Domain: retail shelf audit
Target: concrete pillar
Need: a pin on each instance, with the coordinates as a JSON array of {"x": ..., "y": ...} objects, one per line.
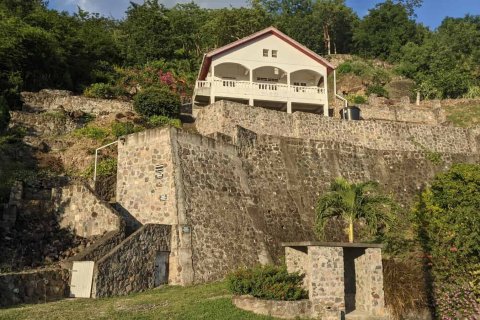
[
  {"x": 289, "y": 107},
  {"x": 250, "y": 101},
  {"x": 325, "y": 106},
  {"x": 212, "y": 87}
]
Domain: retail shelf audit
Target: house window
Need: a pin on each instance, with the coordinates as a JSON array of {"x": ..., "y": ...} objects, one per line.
[
  {"x": 265, "y": 52},
  {"x": 274, "y": 53}
]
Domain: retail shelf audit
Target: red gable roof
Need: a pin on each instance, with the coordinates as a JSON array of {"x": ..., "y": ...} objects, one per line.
[{"x": 207, "y": 59}]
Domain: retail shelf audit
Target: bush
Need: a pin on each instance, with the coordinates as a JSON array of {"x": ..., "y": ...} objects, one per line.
[
  {"x": 103, "y": 91},
  {"x": 448, "y": 226},
  {"x": 4, "y": 114},
  {"x": 378, "y": 90},
  {"x": 161, "y": 121},
  {"x": 91, "y": 132},
  {"x": 267, "y": 282},
  {"x": 157, "y": 101},
  {"x": 123, "y": 128},
  {"x": 357, "y": 99},
  {"x": 344, "y": 68},
  {"x": 105, "y": 167},
  {"x": 473, "y": 92}
]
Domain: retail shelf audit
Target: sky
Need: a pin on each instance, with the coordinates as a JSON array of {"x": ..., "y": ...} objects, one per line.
[{"x": 431, "y": 13}]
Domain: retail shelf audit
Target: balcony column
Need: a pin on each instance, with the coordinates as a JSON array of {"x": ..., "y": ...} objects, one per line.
[
  {"x": 250, "y": 100},
  {"x": 289, "y": 102},
  {"x": 325, "y": 106},
  {"x": 212, "y": 85}
]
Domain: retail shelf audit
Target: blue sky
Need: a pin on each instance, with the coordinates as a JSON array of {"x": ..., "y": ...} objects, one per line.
[{"x": 431, "y": 13}]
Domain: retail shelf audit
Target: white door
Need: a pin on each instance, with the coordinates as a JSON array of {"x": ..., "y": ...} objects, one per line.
[{"x": 82, "y": 276}]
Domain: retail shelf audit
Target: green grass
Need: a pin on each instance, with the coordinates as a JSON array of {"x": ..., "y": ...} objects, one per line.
[
  {"x": 209, "y": 302},
  {"x": 464, "y": 116}
]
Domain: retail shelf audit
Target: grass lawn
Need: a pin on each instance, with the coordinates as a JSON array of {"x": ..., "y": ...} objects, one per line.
[
  {"x": 464, "y": 116},
  {"x": 210, "y": 301}
]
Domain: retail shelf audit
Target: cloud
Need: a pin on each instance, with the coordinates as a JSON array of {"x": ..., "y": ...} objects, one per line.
[{"x": 117, "y": 8}]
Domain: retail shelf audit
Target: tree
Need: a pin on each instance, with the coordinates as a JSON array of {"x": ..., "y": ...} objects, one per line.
[
  {"x": 352, "y": 202},
  {"x": 4, "y": 114},
  {"x": 146, "y": 33},
  {"x": 384, "y": 31}
]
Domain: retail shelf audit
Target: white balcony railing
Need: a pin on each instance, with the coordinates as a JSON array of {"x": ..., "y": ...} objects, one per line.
[{"x": 249, "y": 89}]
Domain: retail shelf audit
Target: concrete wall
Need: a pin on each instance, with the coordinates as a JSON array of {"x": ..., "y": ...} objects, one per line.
[
  {"x": 130, "y": 266},
  {"x": 37, "y": 286},
  {"x": 53, "y": 99},
  {"x": 224, "y": 116},
  {"x": 79, "y": 208}
]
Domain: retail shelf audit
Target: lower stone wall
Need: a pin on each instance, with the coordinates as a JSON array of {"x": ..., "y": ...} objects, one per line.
[
  {"x": 130, "y": 266},
  {"x": 80, "y": 209},
  {"x": 38, "y": 286},
  {"x": 275, "y": 308}
]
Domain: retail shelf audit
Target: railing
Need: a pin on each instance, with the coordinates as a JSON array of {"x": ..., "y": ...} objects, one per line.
[{"x": 238, "y": 88}]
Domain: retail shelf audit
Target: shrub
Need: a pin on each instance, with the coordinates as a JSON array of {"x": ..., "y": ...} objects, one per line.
[
  {"x": 357, "y": 99},
  {"x": 161, "y": 121},
  {"x": 105, "y": 167},
  {"x": 378, "y": 90},
  {"x": 267, "y": 282},
  {"x": 4, "y": 114},
  {"x": 91, "y": 132},
  {"x": 344, "y": 68},
  {"x": 473, "y": 92},
  {"x": 103, "y": 91},
  {"x": 157, "y": 101},
  {"x": 123, "y": 128},
  {"x": 448, "y": 226}
]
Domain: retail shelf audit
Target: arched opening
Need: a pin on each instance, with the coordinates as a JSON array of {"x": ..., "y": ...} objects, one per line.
[
  {"x": 270, "y": 74},
  {"x": 306, "y": 78},
  {"x": 231, "y": 71}
]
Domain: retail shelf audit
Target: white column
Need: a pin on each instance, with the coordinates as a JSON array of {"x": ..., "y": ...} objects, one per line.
[
  {"x": 325, "y": 86},
  {"x": 212, "y": 85},
  {"x": 289, "y": 106},
  {"x": 250, "y": 101}
]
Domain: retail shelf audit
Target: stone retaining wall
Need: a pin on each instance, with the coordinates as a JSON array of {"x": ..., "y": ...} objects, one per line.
[
  {"x": 45, "y": 123},
  {"x": 275, "y": 308},
  {"x": 37, "y": 286},
  {"x": 130, "y": 266},
  {"x": 79, "y": 208},
  {"x": 411, "y": 114},
  {"x": 101, "y": 247},
  {"x": 224, "y": 116},
  {"x": 53, "y": 99}
]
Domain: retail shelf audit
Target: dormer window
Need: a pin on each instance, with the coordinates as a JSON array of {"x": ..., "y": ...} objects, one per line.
[
  {"x": 265, "y": 52},
  {"x": 274, "y": 53}
]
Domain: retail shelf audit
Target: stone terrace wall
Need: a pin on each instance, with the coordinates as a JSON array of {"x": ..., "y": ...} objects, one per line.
[
  {"x": 37, "y": 286},
  {"x": 53, "y": 99},
  {"x": 79, "y": 208},
  {"x": 130, "y": 266},
  {"x": 226, "y": 222},
  {"x": 46, "y": 123},
  {"x": 224, "y": 116},
  {"x": 401, "y": 113}
]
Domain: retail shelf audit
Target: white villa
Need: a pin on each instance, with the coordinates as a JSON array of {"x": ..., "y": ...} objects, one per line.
[{"x": 266, "y": 69}]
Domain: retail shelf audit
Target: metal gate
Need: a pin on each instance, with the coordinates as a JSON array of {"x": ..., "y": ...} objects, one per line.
[
  {"x": 161, "y": 268},
  {"x": 81, "y": 282}
]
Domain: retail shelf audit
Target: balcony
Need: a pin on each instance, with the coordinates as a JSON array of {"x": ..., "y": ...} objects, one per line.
[{"x": 261, "y": 91}]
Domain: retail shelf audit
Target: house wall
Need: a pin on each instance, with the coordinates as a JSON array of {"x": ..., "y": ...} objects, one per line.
[{"x": 251, "y": 55}]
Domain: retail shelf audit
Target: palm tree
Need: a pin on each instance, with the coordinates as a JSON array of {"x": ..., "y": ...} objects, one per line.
[{"x": 353, "y": 201}]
